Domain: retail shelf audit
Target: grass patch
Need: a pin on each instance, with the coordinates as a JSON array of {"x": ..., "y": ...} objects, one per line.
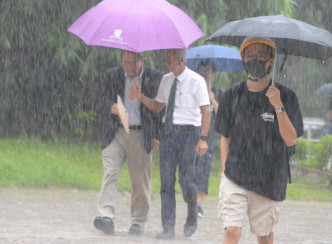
[
  {"x": 306, "y": 192},
  {"x": 33, "y": 163}
]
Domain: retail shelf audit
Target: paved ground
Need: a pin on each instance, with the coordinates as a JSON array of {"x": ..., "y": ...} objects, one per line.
[{"x": 66, "y": 216}]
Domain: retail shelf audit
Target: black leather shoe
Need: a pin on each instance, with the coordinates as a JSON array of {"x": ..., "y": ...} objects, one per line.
[
  {"x": 166, "y": 234},
  {"x": 190, "y": 227},
  {"x": 104, "y": 224},
  {"x": 136, "y": 229}
]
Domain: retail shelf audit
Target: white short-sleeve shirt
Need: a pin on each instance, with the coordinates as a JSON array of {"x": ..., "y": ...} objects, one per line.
[{"x": 191, "y": 93}]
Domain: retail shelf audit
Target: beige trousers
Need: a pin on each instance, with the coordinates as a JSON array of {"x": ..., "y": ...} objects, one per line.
[
  {"x": 128, "y": 147},
  {"x": 236, "y": 203}
]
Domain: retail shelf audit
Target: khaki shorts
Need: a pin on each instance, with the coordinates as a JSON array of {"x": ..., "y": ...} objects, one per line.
[{"x": 235, "y": 203}]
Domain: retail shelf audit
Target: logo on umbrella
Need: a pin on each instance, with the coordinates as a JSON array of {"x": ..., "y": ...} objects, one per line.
[{"x": 116, "y": 37}]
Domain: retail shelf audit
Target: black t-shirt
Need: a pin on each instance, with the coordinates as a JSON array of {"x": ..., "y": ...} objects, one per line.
[{"x": 258, "y": 158}]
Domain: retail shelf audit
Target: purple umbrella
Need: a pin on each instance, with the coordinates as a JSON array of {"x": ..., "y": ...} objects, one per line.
[{"x": 136, "y": 25}]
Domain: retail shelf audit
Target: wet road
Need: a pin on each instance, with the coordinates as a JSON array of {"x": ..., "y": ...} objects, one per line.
[{"x": 66, "y": 216}]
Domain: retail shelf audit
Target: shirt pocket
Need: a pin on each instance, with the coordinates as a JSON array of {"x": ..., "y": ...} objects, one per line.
[{"x": 185, "y": 100}]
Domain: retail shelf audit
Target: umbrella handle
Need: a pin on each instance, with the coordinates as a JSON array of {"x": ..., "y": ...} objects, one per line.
[
  {"x": 274, "y": 67},
  {"x": 283, "y": 61}
]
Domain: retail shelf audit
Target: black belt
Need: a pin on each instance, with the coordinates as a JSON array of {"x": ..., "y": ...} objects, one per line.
[
  {"x": 133, "y": 127},
  {"x": 183, "y": 127}
]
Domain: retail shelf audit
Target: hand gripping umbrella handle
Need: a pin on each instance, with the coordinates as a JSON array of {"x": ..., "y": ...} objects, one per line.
[{"x": 131, "y": 95}]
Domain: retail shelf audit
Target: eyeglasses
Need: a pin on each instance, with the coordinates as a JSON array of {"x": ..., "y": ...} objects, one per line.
[{"x": 260, "y": 56}]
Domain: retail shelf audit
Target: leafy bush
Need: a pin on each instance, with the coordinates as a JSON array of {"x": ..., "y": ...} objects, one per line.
[
  {"x": 311, "y": 162},
  {"x": 314, "y": 155},
  {"x": 303, "y": 148},
  {"x": 323, "y": 151}
]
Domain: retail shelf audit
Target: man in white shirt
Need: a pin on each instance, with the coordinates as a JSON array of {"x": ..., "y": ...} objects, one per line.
[{"x": 187, "y": 135}]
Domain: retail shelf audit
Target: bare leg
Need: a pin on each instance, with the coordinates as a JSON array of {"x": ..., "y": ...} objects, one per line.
[
  {"x": 232, "y": 235},
  {"x": 200, "y": 197},
  {"x": 265, "y": 239}
]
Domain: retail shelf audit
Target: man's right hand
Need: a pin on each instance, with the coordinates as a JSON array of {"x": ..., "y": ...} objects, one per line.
[
  {"x": 137, "y": 91},
  {"x": 115, "y": 109}
]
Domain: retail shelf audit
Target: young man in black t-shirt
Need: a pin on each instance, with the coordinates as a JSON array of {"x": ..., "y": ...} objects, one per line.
[{"x": 258, "y": 121}]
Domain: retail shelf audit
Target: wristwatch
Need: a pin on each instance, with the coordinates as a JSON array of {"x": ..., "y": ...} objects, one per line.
[
  {"x": 281, "y": 109},
  {"x": 204, "y": 138}
]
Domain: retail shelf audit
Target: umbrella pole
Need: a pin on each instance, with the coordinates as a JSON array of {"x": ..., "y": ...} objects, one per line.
[{"x": 274, "y": 67}]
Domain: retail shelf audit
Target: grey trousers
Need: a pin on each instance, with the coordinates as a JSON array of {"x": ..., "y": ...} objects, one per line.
[{"x": 128, "y": 147}]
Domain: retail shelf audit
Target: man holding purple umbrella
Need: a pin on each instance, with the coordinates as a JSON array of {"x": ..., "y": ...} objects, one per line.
[
  {"x": 136, "y": 147},
  {"x": 258, "y": 121},
  {"x": 186, "y": 123}
]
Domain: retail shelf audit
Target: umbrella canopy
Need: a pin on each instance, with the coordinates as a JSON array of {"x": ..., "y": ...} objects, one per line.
[
  {"x": 226, "y": 58},
  {"x": 325, "y": 90},
  {"x": 136, "y": 25},
  {"x": 291, "y": 36}
]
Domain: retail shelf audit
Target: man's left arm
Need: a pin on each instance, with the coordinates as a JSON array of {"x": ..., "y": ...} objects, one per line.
[
  {"x": 202, "y": 145},
  {"x": 202, "y": 99},
  {"x": 286, "y": 128},
  {"x": 215, "y": 99}
]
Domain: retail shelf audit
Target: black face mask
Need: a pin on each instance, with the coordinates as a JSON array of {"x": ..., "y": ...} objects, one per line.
[{"x": 257, "y": 68}]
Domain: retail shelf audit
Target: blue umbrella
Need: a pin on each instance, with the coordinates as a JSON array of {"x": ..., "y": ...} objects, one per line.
[
  {"x": 325, "y": 90},
  {"x": 226, "y": 58}
]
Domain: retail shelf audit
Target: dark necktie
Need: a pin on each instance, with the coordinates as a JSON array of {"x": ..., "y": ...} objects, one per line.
[{"x": 170, "y": 109}]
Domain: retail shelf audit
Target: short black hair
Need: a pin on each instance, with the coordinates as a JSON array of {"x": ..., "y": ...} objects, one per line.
[{"x": 208, "y": 62}]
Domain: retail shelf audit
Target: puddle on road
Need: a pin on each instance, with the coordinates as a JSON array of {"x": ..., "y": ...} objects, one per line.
[{"x": 66, "y": 216}]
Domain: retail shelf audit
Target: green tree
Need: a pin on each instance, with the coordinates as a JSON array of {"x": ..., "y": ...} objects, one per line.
[{"x": 50, "y": 78}]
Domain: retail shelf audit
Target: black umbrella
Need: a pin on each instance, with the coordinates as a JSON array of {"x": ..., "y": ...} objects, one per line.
[
  {"x": 291, "y": 36},
  {"x": 325, "y": 90}
]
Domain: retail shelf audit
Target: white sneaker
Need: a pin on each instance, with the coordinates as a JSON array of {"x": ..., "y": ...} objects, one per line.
[{"x": 200, "y": 211}]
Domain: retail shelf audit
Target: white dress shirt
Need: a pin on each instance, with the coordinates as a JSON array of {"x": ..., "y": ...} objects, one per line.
[{"x": 191, "y": 93}]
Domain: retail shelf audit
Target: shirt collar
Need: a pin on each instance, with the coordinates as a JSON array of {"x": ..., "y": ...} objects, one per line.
[{"x": 183, "y": 75}]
